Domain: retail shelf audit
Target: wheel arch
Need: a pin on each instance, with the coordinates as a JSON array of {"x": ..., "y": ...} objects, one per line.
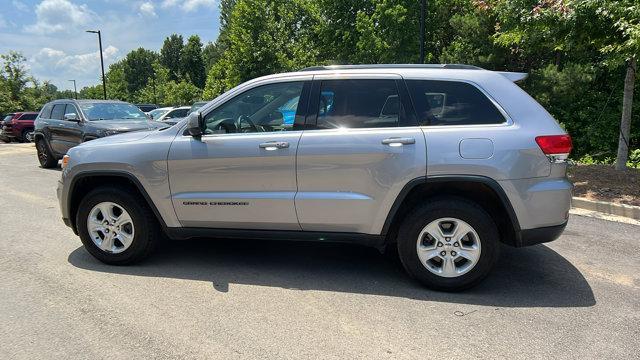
[
  {"x": 485, "y": 191},
  {"x": 83, "y": 182}
]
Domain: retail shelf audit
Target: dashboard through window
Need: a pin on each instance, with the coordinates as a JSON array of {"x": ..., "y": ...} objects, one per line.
[{"x": 266, "y": 108}]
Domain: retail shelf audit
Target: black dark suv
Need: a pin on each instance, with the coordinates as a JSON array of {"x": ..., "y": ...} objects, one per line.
[{"x": 63, "y": 124}]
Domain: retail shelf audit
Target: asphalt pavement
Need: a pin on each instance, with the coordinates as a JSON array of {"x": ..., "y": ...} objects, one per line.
[{"x": 577, "y": 297}]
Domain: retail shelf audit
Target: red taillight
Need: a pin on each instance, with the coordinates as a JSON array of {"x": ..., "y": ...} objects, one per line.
[{"x": 555, "y": 144}]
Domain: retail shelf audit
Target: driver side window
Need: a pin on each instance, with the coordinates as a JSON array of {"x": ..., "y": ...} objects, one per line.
[{"x": 265, "y": 108}]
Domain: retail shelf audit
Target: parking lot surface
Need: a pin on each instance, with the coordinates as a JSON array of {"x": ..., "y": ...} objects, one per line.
[{"x": 578, "y": 297}]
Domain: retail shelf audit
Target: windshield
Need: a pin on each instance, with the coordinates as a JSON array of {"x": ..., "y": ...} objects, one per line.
[
  {"x": 112, "y": 111},
  {"x": 8, "y": 117},
  {"x": 157, "y": 113}
]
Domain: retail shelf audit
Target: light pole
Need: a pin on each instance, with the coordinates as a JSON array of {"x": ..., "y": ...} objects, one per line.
[
  {"x": 75, "y": 90},
  {"x": 104, "y": 81},
  {"x": 423, "y": 10}
]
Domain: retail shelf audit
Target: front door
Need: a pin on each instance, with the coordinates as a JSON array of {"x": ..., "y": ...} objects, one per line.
[
  {"x": 242, "y": 173},
  {"x": 360, "y": 149},
  {"x": 70, "y": 131},
  {"x": 56, "y": 125}
]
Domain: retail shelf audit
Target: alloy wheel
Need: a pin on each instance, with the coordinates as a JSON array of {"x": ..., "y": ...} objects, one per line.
[
  {"x": 110, "y": 227},
  {"x": 42, "y": 151},
  {"x": 448, "y": 247}
]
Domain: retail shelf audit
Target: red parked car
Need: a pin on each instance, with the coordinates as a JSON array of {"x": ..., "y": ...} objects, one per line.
[{"x": 18, "y": 126}]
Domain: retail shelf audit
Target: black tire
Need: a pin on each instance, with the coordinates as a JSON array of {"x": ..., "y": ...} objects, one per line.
[
  {"x": 24, "y": 137},
  {"x": 448, "y": 207},
  {"x": 147, "y": 232},
  {"x": 46, "y": 158}
]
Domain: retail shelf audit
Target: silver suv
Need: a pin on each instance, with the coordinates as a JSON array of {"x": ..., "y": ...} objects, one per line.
[{"x": 444, "y": 162}]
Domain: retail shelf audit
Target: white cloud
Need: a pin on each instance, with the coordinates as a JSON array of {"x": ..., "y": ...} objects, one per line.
[
  {"x": 189, "y": 5},
  {"x": 79, "y": 64},
  {"x": 20, "y": 5},
  {"x": 60, "y": 16},
  {"x": 148, "y": 9},
  {"x": 3, "y": 23}
]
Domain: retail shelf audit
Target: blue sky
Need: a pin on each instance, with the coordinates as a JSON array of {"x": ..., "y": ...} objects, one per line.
[{"x": 51, "y": 33}]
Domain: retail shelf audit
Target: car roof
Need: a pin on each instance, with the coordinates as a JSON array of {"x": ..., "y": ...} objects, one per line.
[
  {"x": 408, "y": 71},
  {"x": 85, "y": 101},
  {"x": 181, "y": 107}
]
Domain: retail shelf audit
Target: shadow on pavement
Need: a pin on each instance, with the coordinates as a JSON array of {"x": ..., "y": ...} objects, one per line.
[{"x": 530, "y": 277}]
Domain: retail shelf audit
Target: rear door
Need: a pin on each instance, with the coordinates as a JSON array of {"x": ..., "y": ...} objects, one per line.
[{"x": 360, "y": 147}]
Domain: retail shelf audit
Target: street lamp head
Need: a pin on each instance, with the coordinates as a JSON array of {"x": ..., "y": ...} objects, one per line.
[{"x": 93, "y": 31}]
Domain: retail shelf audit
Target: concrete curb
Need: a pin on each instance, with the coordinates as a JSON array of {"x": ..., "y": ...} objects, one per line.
[{"x": 629, "y": 211}]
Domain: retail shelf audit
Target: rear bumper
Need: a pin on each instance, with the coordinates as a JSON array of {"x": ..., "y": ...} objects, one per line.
[{"x": 540, "y": 235}]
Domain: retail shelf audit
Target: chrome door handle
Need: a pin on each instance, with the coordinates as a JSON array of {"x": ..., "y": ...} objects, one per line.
[
  {"x": 274, "y": 145},
  {"x": 398, "y": 141}
]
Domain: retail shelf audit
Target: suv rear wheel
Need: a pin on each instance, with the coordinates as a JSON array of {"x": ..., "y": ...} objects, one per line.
[
  {"x": 46, "y": 158},
  {"x": 116, "y": 226},
  {"x": 448, "y": 244}
]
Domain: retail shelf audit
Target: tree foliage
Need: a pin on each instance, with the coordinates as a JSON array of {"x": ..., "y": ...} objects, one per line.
[
  {"x": 171, "y": 55},
  {"x": 192, "y": 62}
]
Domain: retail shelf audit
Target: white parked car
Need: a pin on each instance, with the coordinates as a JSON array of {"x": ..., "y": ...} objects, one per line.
[
  {"x": 157, "y": 113},
  {"x": 175, "y": 113}
]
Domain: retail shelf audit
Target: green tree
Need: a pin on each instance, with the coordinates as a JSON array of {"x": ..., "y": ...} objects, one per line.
[
  {"x": 614, "y": 28},
  {"x": 171, "y": 55},
  {"x": 279, "y": 37},
  {"x": 385, "y": 35},
  {"x": 193, "y": 63},
  {"x": 91, "y": 92},
  {"x": 213, "y": 51},
  {"x": 181, "y": 93},
  {"x": 116, "y": 82},
  {"x": 13, "y": 80},
  {"x": 138, "y": 69}
]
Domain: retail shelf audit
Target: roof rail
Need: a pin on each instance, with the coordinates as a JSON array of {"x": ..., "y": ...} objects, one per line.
[{"x": 393, "y": 66}]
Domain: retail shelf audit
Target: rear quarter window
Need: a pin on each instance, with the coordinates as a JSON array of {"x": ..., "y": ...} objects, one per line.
[{"x": 452, "y": 103}]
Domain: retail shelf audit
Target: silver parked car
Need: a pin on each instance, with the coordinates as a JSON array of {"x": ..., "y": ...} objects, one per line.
[{"x": 442, "y": 162}]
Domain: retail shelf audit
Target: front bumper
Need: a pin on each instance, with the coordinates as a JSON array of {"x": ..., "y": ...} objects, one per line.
[
  {"x": 6, "y": 135},
  {"x": 62, "y": 202}
]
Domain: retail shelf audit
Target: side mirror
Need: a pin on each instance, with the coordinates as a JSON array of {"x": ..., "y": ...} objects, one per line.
[
  {"x": 71, "y": 117},
  {"x": 195, "y": 124}
]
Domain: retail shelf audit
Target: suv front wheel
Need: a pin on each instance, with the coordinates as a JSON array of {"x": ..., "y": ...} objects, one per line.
[
  {"x": 448, "y": 244},
  {"x": 116, "y": 226}
]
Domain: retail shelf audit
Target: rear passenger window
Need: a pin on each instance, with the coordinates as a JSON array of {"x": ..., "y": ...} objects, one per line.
[
  {"x": 358, "y": 104},
  {"x": 452, "y": 103},
  {"x": 28, "y": 117},
  {"x": 58, "y": 112},
  {"x": 46, "y": 112}
]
